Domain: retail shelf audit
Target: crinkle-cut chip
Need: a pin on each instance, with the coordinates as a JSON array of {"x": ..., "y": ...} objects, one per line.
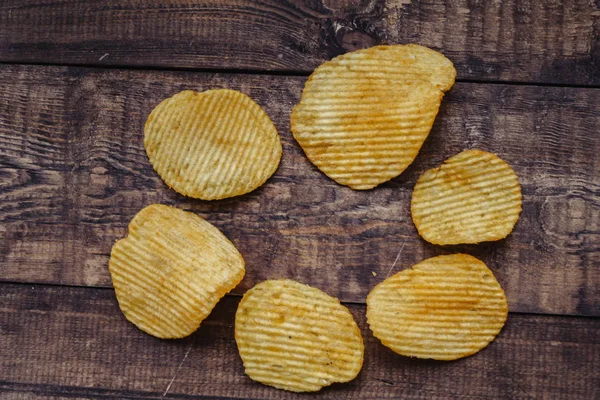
[
  {"x": 295, "y": 337},
  {"x": 171, "y": 270},
  {"x": 212, "y": 145},
  {"x": 445, "y": 308},
  {"x": 364, "y": 116},
  {"x": 472, "y": 197}
]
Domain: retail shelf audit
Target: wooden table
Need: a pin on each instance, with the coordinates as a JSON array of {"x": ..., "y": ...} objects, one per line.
[{"x": 79, "y": 77}]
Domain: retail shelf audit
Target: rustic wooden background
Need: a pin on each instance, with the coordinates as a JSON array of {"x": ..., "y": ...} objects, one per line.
[{"x": 79, "y": 77}]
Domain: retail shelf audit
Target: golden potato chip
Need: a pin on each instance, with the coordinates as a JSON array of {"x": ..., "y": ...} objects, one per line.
[
  {"x": 171, "y": 270},
  {"x": 212, "y": 145},
  {"x": 363, "y": 116},
  {"x": 295, "y": 337},
  {"x": 472, "y": 197},
  {"x": 446, "y": 307}
]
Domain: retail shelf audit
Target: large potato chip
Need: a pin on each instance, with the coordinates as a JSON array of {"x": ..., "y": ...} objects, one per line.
[
  {"x": 212, "y": 145},
  {"x": 446, "y": 307},
  {"x": 171, "y": 270},
  {"x": 363, "y": 116},
  {"x": 295, "y": 337},
  {"x": 472, "y": 197}
]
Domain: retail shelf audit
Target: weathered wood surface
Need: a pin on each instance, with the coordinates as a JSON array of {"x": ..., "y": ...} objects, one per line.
[
  {"x": 41, "y": 392},
  {"x": 516, "y": 40},
  {"x": 74, "y": 172},
  {"x": 76, "y": 341}
]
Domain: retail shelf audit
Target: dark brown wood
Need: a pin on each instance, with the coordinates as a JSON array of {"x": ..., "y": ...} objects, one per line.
[
  {"x": 41, "y": 392},
  {"x": 76, "y": 341},
  {"x": 74, "y": 172},
  {"x": 515, "y": 40}
]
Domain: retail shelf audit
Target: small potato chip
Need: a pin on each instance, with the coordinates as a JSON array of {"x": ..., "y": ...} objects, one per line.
[
  {"x": 295, "y": 337},
  {"x": 445, "y": 308},
  {"x": 171, "y": 270},
  {"x": 364, "y": 116},
  {"x": 472, "y": 197},
  {"x": 212, "y": 145}
]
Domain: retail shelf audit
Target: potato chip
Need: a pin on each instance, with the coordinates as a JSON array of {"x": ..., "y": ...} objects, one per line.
[
  {"x": 445, "y": 308},
  {"x": 295, "y": 337},
  {"x": 363, "y": 116},
  {"x": 212, "y": 145},
  {"x": 472, "y": 197},
  {"x": 171, "y": 270}
]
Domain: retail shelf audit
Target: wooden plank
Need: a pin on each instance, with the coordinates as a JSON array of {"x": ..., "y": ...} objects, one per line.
[
  {"x": 516, "y": 40},
  {"x": 74, "y": 173},
  {"x": 77, "y": 339}
]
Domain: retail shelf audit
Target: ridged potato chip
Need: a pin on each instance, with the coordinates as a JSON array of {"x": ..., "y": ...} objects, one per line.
[
  {"x": 364, "y": 116},
  {"x": 472, "y": 197},
  {"x": 171, "y": 270},
  {"x": 445, "y": 308},
  {"x": 295, "y": 337},
  {"x": 212, "y": 145}
]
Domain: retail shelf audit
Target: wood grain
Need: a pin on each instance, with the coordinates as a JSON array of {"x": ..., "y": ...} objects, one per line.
[
  {"x": 74, "y": 172},
  {"x": 516, "y": 40},
  {"x": 76, "y": 341}
]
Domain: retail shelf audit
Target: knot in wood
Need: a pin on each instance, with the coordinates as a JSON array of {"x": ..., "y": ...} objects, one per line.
[{"x": 356, "y": 40}]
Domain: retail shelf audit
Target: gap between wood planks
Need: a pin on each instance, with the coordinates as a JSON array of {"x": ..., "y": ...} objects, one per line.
[
  {"x": 239, "y": 296},
  {"x": 273, "y": 73},
  {"x": 54, "y": 391}
]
